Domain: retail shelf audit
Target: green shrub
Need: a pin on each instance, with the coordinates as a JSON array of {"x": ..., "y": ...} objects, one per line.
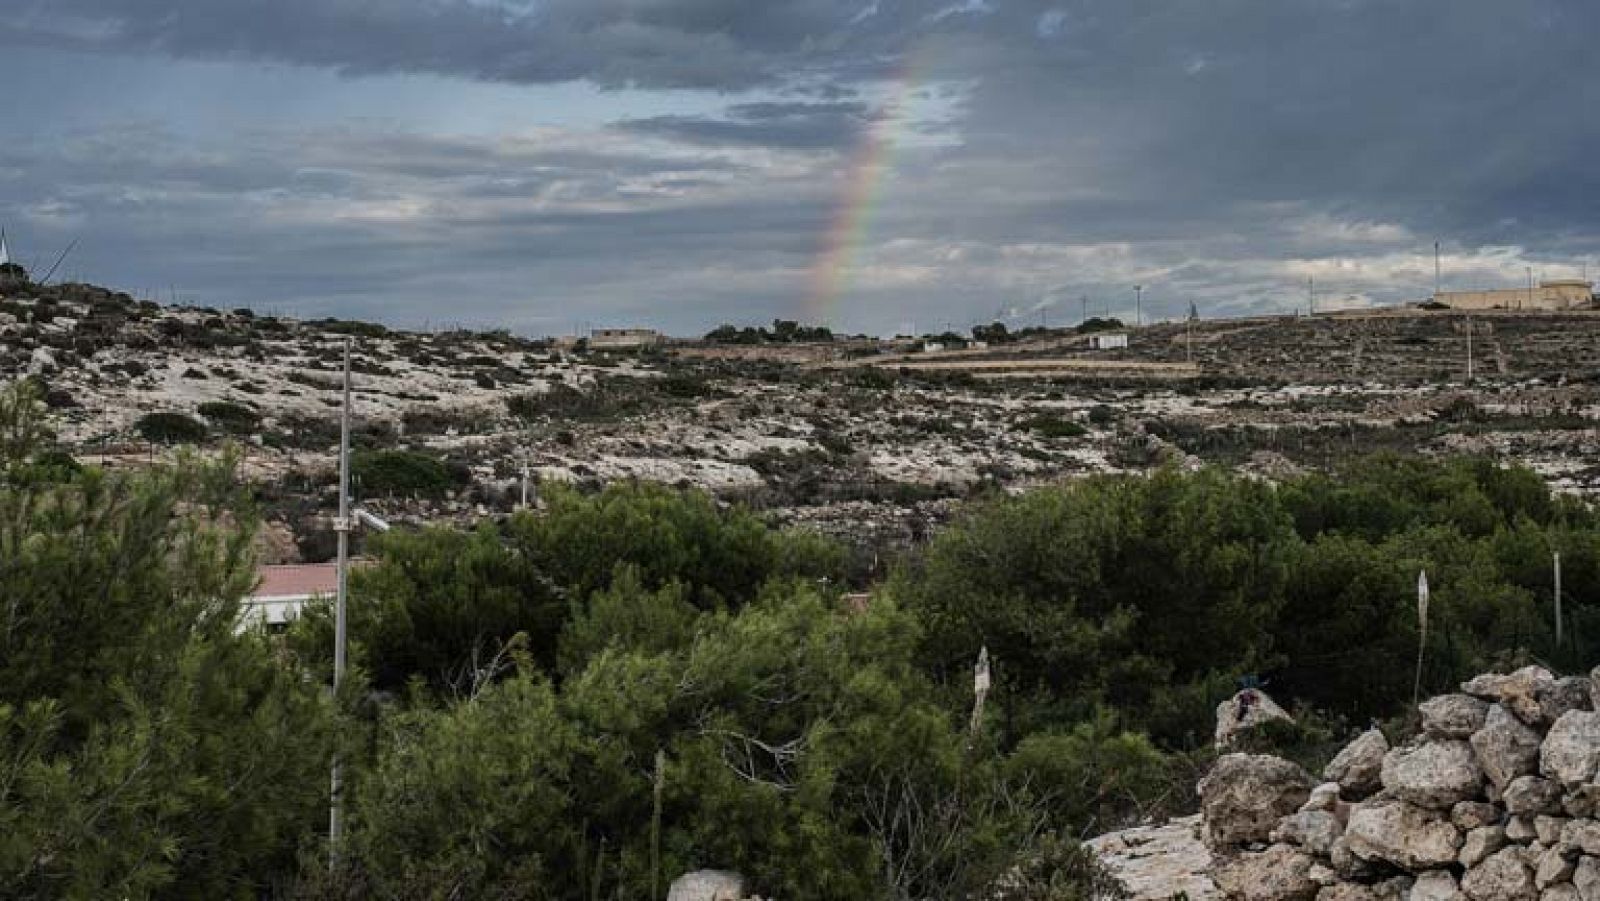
[
  {"x": 399, "y": 472},
  {"x": 170, "y": 428},
  {"x": 236, "y": 419},
  {"x": 1051, "y": 426}
]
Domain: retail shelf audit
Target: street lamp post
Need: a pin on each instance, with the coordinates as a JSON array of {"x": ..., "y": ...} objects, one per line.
[{"x": 1138, "y": 305}]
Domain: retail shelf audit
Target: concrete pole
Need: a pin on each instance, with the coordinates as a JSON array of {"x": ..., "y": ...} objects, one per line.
[{"x": 342, "y": 527}]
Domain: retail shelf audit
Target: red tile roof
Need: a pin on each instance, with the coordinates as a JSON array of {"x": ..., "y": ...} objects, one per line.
[{"x": 297, "y": 581}]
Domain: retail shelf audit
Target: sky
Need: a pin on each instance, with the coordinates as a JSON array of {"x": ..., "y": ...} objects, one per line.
[{"x": 877, "y": 166}]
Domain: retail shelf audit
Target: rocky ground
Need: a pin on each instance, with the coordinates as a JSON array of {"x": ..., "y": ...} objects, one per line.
[{"x": 859, "y": 439}]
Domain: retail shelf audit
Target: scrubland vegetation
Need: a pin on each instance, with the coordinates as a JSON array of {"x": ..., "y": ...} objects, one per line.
[{"x": 587, "y": 701}]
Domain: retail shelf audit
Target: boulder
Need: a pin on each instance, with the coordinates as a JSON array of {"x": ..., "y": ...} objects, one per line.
[
  {"x": 1586, "y": 878},
  {"x": 1323, "y": 797},
  {"x": 1582, "y": 835},
  {"x": 1436, "y": 885},
  {"x": 1473, "y": 814},
  {"x": 1403, "y": 834},
  {"x": 1245, "y": 711},
  {"x": 1594, "y": 688},
  {"x": 1582, "y": 801},
  {"x": 1518, "y": 692},
  {"x": 1505, "y": 746},
  {"x": 1346, "y": 863},
  {"x": 1279, "y": 873},
  {"x": 1503, "y": 877},
  {"x": 1453, "y": 716},
  {"x": 1438, "y": 774},
  {"x": 1563, "y": 892},
  {"x": 1531, "y": 795},
  {"x": 1552, "y": 867},
  {"x": 1480, "y": 843},
  {"x": 1549, "y": 828},
  {"x": 1349, "y": 891},
  {"x": 1520, "y": 830},
  {"x": 1571, "y": 752},
  {"x": 1245, "y": 795},
  {"x": 1571, "y": 693},
  {"x": 707, "y": 885},
  {"x": 1358, "y": 767},
  {"x": 1313, "y": 830}
]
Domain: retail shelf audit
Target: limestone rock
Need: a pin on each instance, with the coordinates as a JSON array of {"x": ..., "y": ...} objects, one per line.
[
  {"x": 1586, "y": 878},
  {"x": 1582, "y": 801},
  {"x": 1518, "y": 692},
  {"x": 1245, "y": 795},
  {"x": 1531, "y": 795},
  {"x": 1438, "y": 774},
  {"x": 1594, "y": 688},
  {"x": 1480, "y": 843},
  {"x": 1313, "y": 830},
  {"x": 1553, "y": 867},
  {"x": 1549, "y": 828},
  {"x": 1159, "y": 862},
  {"x": 707, "y": 885},
  {"x": 1346, "y": 863},
  {"x": 1323, "y": 797},
  {"x": 1349, "y": 891},
  {"x": 1402, "y": 834},
  {"x": 1571, "y": 693},
  {"x": 1453, "y": 716},
  {"x": 1583, "y": 835},
  {"x": 1358, "y": 767},
  {"x": 1503, "y": 877},
  {"x": 1473, "y": 814},
  {"x": 1279, "y": 873},
  {"x": 1245, "y": 711},
  {"x": 1505, "y": 746},
  {"x": 1520, "y": 830},
  {"x": 1436, "y": 885},
  {"x": 1571, "y": 751},
  {"x": 1563, "y": 892}
]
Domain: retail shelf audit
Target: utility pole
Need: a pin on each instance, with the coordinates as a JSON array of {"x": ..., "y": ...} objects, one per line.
[
  {"x": 342, "y": 527},
  {"x": 1530, "y": 287},
  {"x": 1436, "y": 271},
  {"x": 1311, "y": 294},
  {"x": 1469, "y": 350},
  {"x": 1138, "y": 305},
  {"x": 1085, "y": 310}
]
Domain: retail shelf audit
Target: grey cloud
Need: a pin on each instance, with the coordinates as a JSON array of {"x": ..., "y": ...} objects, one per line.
[{"x": 766, "y": 124}]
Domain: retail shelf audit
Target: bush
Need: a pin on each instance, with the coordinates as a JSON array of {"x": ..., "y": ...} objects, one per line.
[
  {"x": 170, "y": 428},
  {"x": 236, "y": 419},
  {"x": 399, "y": 472},
  {"x": 1050, "y": 426}
]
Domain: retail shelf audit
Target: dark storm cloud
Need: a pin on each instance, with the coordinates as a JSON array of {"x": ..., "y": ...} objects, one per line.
[
  {"x": 1220, "y": 152},
  {"x": 720, "y": 44}
]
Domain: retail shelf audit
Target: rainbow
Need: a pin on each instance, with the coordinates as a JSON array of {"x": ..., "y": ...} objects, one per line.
[{"x": 863, "y": 188}]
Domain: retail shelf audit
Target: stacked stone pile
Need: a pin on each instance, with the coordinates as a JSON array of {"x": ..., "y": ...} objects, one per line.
[{"x": 1496, "y": 800}]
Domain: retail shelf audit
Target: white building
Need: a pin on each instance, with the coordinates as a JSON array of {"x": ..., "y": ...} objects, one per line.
[
  {"x": 1116, "y": 341},
  {"x": 283, "y": 591},
  {"x": 623, "y": 338}
]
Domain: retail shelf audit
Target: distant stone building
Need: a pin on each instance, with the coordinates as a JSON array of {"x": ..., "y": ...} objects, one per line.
[
  {"x": 1559, "y": 294},
  {"x": 623, "y": 338},
  {"x": 1116, "y": 341}
]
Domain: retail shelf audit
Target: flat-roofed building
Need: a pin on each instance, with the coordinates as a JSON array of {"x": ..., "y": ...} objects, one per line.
[
  {"x": 1558, "y": 294},
  {"x": 623, "y": 338}
]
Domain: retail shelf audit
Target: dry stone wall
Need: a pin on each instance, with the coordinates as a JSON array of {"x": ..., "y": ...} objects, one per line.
[{"x": 1496, "y": 800}]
